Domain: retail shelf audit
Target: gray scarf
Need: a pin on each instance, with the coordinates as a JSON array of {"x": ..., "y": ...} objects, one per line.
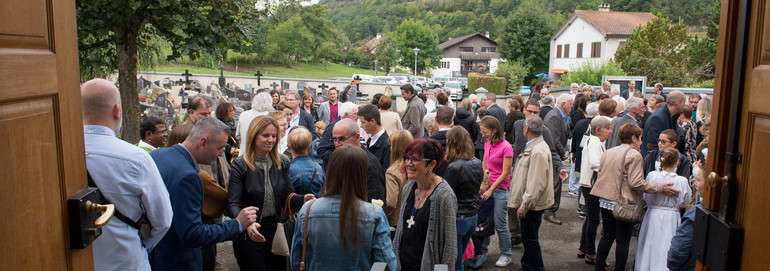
[{"x": 268, "y": 208}]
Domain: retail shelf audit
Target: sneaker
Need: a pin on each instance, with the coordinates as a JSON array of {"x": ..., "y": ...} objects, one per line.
[
  {"x": 582, "y": 214},
  {"x": 515, "y": 242},
  {"x": 503, "y": 261},
  {"x": 574, "y": 194},
  {"x": 477, "y": 261}
]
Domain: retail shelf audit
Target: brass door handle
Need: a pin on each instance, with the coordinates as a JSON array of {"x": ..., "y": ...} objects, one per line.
[
  {"x": 715, "y": 179},
  {"x": 108, "y": 209}
]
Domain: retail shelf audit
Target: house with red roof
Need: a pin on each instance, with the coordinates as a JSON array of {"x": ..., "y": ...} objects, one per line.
[{"x": 591, "y": 36}]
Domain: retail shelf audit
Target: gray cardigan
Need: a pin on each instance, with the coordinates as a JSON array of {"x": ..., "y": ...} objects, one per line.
[{"x": 441, "y": 239}]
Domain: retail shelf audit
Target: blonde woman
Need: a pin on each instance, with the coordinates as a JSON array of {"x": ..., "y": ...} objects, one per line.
[{"x": 395, "y": 174}]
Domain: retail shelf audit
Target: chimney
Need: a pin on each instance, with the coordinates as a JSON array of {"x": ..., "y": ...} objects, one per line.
[
  {"x": 487, "y": 34},
  {"x": 379, "y": 35},
  {"x": 604, "y": 7}
]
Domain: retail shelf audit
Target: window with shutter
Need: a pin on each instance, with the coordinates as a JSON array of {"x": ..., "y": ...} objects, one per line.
[
  {"x": 596, "y": 49},
  {"x": 566, "y": 50},
  {"x": 558, "y": 51},
  {"x": 579, "y": 53}
]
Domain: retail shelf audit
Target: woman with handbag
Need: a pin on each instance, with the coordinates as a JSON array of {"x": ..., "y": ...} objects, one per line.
[
  {"x": 619, "y": 187},
  {"x": 341, "y": 230},
  {"x": 261, "y": 178},
  {"x": 593, "y": 148}
]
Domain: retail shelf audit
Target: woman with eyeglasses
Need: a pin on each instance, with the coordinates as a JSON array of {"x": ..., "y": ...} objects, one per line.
[
  {"x": 498, "y": 160},
  {"x": 426, "y": 234}
]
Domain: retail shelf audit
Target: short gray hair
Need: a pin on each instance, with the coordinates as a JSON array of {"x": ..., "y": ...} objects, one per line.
[
  {"x": 534, "y": 124},
  {"x": 659, "y": 99},
  {"x": 350, "y": 124},
  {"x": 429, "y": 120},
  {"x": 293, "y": 93},
  {"x": 346, "y": 108},
  {"x": 547, "y": 100},
  {"x": 209, "y": 127},
  {"x": 615, "y": 91},
  {"x": 592, "y": 109},
  {"x": 598, "y": 124},
  {"x": 262, "y": 102},
  {"x": 633, "y": 102},
  {"x": 490, "y": 96},
  {"x": 564, "y": 98}
]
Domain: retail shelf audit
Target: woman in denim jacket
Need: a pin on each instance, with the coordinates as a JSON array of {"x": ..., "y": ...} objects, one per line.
[{"x": 353, "y": 243}]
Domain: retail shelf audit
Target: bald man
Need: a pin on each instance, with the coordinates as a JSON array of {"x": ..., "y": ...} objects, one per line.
[
  {"x": 661, "y": 120},
  {"x": 127, "y": 177}
]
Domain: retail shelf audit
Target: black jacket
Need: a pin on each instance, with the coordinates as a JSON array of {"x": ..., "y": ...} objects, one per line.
[
  {"x": 440, "y": 136},
  {"x": 247, "y": 188},
  {"x": 544, "y": 110},
  {"x": 381, "y": 150},
  {"x": 497, "y": 112},
  {"x": 465, "y": 119},
  {"x": 375, "y": 178},
  {"x": 464, "y": 176},
  {"x": 577, "y": 135},
  {"x": 306, "y": 120},
  {"x": 510, "y": 119},
  {"x": 684, "y": 169}
]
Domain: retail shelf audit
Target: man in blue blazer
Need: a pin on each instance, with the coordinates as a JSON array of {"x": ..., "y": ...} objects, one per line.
[
  {"x": 180, "y": 248},
  {"x": 660, "y": 120}
]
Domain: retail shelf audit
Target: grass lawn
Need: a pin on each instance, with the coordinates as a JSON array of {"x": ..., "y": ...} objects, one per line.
[{"x": 301, "y": 70}]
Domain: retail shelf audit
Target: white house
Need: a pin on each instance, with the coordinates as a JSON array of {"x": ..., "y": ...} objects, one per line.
[
  {"x": 466, "y": 54},
  {"x": 591, "y": 36}
]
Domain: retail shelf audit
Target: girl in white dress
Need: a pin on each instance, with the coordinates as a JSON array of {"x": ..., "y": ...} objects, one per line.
[{"x": 662, "y": 217}]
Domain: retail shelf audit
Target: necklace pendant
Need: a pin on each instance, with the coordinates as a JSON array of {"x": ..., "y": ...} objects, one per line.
[{"x": 410, "y": 222}]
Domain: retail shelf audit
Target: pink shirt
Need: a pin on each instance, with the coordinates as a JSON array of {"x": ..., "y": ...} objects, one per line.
[
  {"x": 333, "y": 111},
  {"x": 493, "y": 155}
]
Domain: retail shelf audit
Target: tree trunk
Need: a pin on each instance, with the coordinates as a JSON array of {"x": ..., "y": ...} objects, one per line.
[
  {"x": 125, "y": 43},
  {"x": 326, "y": 63}
]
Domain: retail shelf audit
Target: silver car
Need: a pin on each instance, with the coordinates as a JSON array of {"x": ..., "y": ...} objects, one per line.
[{"x": 455, "y": 90}]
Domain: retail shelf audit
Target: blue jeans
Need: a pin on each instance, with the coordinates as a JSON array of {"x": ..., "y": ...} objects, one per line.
[
  {"x": 500, "y": 215},
  {"x": 466, "y": 226},
  {"x": 574, "y": 180},
  {"x": 532, "y": 259}
]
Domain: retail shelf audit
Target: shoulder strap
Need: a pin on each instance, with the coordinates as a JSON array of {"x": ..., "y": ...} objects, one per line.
[
  {"x": 118, "y": 214},
  {"x": 315, "y": 169},
  {"x": 624, "y": 175},
  {"x": 287, "y": 206},
  {"x": 304, "y": 236}
]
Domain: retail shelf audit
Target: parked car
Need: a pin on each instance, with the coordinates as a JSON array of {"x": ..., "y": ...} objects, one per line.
[
  {"x": 421, "y": 81},
  {"x": 441, "y": 80},
  {"x": 455, "y": 90},
  {"x": 409, "y": 78},
  {"x": 385, "y": 79},
  {"x": 364, "y": 77},
  {"x": 400, "y": 79},
  {"x": 464, "y": 83}
]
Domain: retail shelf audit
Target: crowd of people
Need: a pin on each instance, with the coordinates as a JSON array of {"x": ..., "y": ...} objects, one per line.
[{"x": 362, "y": 184}]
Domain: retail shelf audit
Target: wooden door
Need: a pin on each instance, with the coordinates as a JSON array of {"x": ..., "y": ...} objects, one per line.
[
  {"x": 42, "y": 155},
  {"x": 742, "y": 92}
]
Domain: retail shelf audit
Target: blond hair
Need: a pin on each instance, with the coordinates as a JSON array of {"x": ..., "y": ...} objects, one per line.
[
  {"x": 257, "y": 126},
  {"x": 299, "y": 140}
]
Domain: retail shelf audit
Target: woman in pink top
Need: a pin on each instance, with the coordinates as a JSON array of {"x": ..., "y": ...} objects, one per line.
[{"x": 498, "y": 159}]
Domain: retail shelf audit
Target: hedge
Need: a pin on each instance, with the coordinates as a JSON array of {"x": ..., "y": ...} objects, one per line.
[{"x": 491, "y": 83}]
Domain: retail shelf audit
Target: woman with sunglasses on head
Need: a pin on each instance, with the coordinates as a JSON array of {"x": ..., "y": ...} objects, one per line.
[
  {"x": 426, "y": 234},
  {"x": 498, "y": 161}
]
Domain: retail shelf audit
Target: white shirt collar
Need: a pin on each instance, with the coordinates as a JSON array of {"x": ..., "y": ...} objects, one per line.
[
  {"x": 146, "y": 145},
  {"x": 376, "y": 136}
]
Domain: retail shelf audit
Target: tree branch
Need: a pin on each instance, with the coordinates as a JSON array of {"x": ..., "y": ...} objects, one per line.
[{"x": 97, "y": 44}]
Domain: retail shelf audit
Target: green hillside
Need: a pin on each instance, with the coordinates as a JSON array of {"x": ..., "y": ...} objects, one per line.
[{"x": 301, "y": 70}]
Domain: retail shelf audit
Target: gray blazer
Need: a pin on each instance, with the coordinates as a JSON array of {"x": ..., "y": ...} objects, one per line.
[
  {"x": 324, "y": 113},
  {"x": 555, "y": 122},
  {"x": 412, "y": 118},
  {"x": 614, "y": 140}
]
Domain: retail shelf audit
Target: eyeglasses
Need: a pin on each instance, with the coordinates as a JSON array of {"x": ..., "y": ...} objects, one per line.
[
  {"x": 408, "y": 159},
  {"x": 160, "y": 132},
  {"x": 343, "y": 139}
]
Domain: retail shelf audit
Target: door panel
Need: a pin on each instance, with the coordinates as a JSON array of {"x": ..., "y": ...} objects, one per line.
[
  {"x": 41, "y": 128},
  {"x": 752, "y": 211}
]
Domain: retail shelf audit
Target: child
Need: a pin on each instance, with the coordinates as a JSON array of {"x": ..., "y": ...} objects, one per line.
[
  {"x": 680, "y": 254},
  {"x": 320, "y": 126},
  {"x": 662, "y": 218}
]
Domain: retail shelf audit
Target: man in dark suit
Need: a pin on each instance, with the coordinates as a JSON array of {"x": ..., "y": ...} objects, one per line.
[
  {"x": 557, "y": 122},
  {"x": 346, "y": 132},
  {"x": 532, "y": 108},
  {"x": 180, "y": 248},
  {"x": 299, "y": 117},
  {"x": 377, "y": 143},
  {"x": 547, "y": 106},
  {"x": 634, "y": 111},
  {"x": 493, "y": 109},
  {"x": 662, "y": 119},
  {"x": 630, "y": 91}
]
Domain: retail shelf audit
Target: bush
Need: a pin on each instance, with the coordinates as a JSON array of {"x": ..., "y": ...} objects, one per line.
[
  {"x": 491, "y": 83},
  {"x": 514, "y": 73},
  {"x": 703, "y": 84},
  {"x": 591, "y": 73}
]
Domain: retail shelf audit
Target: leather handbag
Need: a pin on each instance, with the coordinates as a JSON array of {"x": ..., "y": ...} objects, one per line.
[
  {"x": 284, "y": 231},
  {"x": 304, "y": 236},
  {"x": 624, "y": 211}
]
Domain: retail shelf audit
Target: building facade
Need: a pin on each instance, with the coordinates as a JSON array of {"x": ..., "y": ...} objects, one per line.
[{"x": 466, "y": 54}]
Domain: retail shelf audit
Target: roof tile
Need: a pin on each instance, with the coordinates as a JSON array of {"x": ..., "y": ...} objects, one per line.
[{"x": 614, "y": 22}]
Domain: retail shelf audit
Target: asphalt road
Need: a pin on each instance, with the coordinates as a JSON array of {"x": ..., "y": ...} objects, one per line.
[{"x": 559, "y": 244}]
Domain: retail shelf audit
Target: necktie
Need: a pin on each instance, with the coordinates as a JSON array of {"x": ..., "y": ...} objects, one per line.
[{"x": 368, "y": 141}]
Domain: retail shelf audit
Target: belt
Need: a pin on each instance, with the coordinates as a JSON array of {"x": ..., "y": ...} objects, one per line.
[{"x": 673, "y": 209}]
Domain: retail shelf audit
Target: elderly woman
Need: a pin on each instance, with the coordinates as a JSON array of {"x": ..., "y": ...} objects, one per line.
[
  {"x": 395, "y": 175},
  {"x": 260, "y": 106},
  {"x": 261, "y": 178},
  {"x": 498, "y": 160},
  {"x": 426, "y": 234},
  {"x": 593, "y": 148},
  {"x": 622, "y": 166},
  {"x": 344, "y": 231},
  {"x": 464, "y": 174}
]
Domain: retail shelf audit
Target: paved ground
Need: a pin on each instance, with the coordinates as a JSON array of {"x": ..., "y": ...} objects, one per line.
[{"x": 559, "y": 244}]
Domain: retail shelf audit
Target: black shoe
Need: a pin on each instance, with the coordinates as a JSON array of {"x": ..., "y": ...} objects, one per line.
[
  {"x": 552, "y": 219},
  {"x": 515, "y": 242}
]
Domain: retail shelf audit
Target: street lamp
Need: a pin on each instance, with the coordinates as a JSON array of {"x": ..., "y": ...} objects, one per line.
[{"x": 415, "y": 59}]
